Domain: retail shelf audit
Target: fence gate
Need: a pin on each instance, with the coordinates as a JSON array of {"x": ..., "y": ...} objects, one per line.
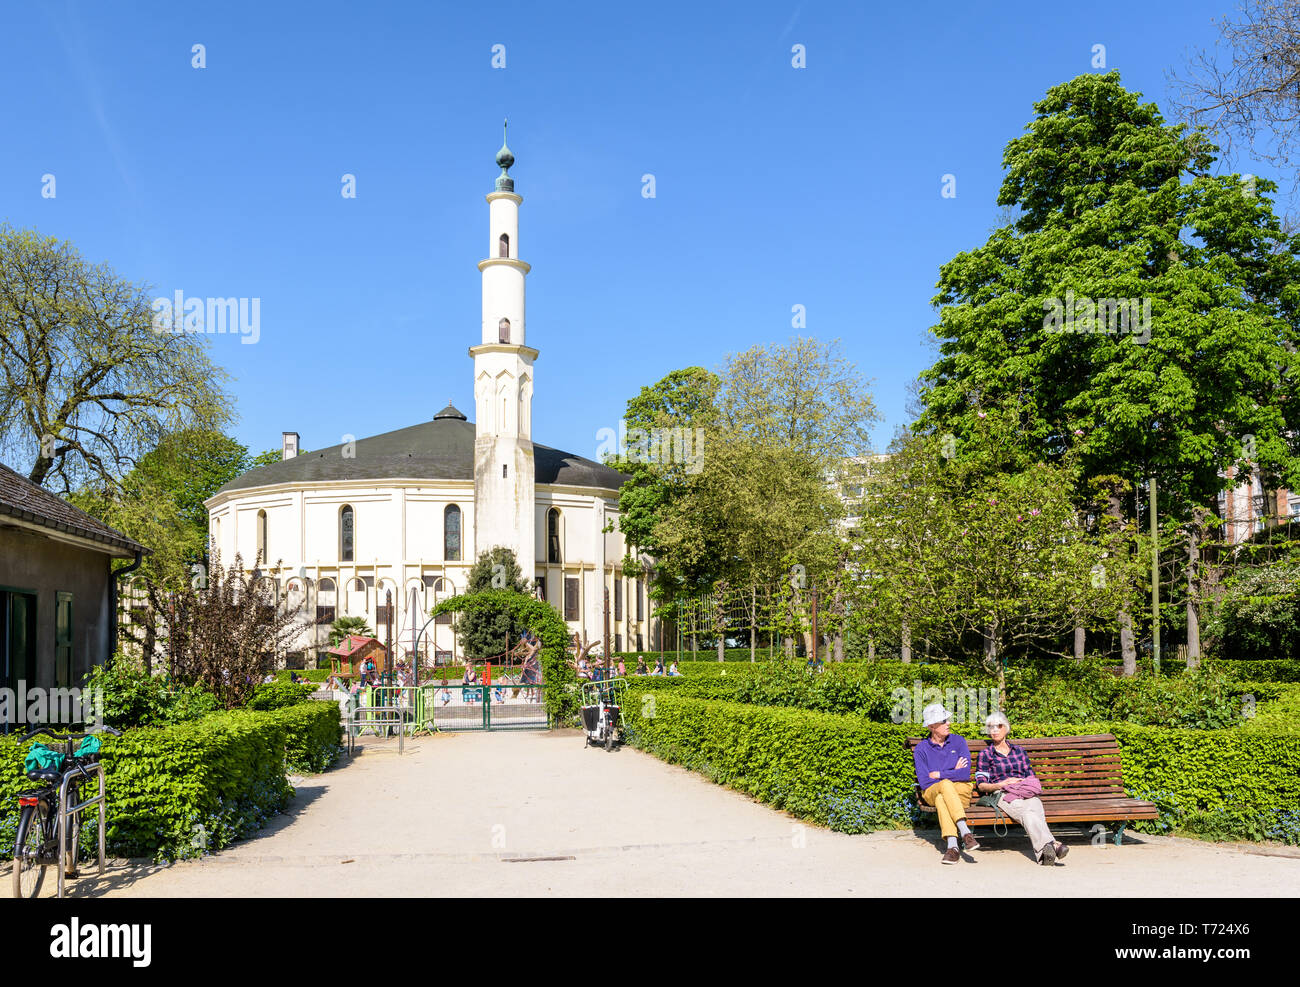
[{"x": 500, "y": 706}]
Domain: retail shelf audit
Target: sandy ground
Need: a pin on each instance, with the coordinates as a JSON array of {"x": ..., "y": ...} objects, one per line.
[{"x": 534, "y": 813}]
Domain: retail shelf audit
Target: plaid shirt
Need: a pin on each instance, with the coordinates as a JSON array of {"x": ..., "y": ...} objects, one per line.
[{"x": 994, "y": 767}]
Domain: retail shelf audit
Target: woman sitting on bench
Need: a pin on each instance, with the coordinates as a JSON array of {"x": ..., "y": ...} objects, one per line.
[
  {"x": 1005, "y": 768},
  {"x": 942, "y": 766}
]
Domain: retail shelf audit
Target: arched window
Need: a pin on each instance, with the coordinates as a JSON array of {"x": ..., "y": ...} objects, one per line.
[
  {"x": 347, "y": 534},
  {"x": 503, "y": 330},
  {"x": 261, "y": 537},
  {"x": 503, "y": 245},
  {"x": 451, "y": 533},
  {"x": 553, "y": 535}
]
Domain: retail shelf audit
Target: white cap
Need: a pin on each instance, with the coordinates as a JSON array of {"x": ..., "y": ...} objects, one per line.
[{"x": 934, "y": 714}]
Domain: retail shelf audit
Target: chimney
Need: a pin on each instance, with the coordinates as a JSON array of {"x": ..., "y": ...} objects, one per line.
[{"x": 290, "y": 448}]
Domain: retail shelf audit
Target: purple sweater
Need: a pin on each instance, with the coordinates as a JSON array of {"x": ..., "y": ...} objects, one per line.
[{"x": 929, "y": 756}]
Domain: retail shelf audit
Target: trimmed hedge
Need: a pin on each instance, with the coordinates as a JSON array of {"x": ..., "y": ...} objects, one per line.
[
  {"x": 180, "y": 790},
  {"x": 312, "y": 735},
  {"x": 855, "y": 776},
  {"x": 274, "y": 695}
]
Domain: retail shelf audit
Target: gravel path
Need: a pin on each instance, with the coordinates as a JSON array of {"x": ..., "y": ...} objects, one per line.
[{"x": 534, "y": 813}]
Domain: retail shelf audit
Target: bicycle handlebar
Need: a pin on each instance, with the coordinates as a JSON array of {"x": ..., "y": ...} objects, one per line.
[{"x": 35, "y": 731}]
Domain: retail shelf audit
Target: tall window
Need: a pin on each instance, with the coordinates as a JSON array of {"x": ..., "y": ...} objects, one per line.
[
  {"x": 553, "y": 535},
  {"x": 451, "y": 533},
  {"x": 503, "y": 245},
  {"x": 347, "y": 534},
  {"x": 618, "y": 601},
  {"x": 570, "y": 598},
  {"x": 503, "y": 330},
  {"x": 640, "y": 595},
  {"x": 261, "y": 537},
  {"x": 325, "y": 601}
]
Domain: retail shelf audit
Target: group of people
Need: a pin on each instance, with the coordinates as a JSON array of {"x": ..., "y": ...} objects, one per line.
[
  {"x": 1003, "y": 776},
  {"x": 658, "y": 669}
]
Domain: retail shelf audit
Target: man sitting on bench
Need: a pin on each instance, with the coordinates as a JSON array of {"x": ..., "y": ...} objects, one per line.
[{"x": 942, "y": 772}]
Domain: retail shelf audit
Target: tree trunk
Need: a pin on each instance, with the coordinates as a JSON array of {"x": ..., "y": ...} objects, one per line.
[
  {"x": 1080, "y": 638},
  {"x": 789, "y": 646},
  {"x": 722, "y": 646},
  {"x": 1127, "y": 647},
  {"x": 1193, "y": 597},
  {"x": 992, "y": 656},
  {"x": 871, "y": 648},
  {"x": 1126, "y": 644},
  {"x": 753, "y": 622},
  {"x": 837, "y": 654},
  {"x": 906, "y": 649}
]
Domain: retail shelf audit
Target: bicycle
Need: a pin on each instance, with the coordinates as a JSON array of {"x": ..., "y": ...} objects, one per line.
[{"x": 36, "y": 845}]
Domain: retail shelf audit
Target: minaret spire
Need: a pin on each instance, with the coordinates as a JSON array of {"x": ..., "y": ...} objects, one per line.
[{"x": 504, "y": 160}]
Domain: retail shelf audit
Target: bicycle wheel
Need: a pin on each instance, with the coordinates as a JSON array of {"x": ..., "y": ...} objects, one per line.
[{"x": 29, "y": 864}]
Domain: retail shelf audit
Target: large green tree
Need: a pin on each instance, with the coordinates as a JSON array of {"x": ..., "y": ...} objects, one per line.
[
  {"x": 88, "y": 384},
  {"x": 1115, "y": 205},
  {"x": 1190, "y": 380}
]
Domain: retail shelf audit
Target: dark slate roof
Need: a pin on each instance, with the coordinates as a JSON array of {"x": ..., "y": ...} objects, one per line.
[
  {"x": 442, "y": 449},
  {"x": 24, "y": 500}
]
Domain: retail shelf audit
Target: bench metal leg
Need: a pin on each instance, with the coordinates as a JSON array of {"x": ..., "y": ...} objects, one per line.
[{"x": 1119, "y": 834}]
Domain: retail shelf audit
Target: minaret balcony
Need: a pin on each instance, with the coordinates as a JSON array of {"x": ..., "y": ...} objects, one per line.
[{"x": 518, "y": 265}]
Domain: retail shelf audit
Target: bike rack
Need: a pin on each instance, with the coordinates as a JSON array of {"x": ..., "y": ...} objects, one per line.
[{"x": 64, "y": 812}]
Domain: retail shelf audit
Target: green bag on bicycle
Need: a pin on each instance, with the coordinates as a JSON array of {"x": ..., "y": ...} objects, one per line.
[
  {"x": 41, "y": 758},
  {"x": 90, "y": 745}
]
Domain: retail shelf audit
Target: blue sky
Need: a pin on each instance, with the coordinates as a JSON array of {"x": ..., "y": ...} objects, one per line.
[{"x": 775, "y": 186}]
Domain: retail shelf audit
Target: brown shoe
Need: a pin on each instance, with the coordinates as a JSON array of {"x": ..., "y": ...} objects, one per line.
[
  {"x": 952, "y": 855},
  {"x": 1061, "y": 851},
  {"x": 970, "y": 842}
]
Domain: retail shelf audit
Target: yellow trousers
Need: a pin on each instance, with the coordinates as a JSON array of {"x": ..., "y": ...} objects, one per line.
[{"x": 952, "y": 799}]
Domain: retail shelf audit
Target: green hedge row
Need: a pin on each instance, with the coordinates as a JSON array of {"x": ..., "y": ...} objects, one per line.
[
  {"x": 856, "y": 776},
  {"x": 179, "y": 790}
]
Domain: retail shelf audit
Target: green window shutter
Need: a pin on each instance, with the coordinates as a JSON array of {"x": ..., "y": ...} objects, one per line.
[{"x": 63, "y": 639}]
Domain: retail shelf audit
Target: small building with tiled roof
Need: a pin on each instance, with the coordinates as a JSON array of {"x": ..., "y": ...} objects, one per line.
[
  {"x": 58, "y": 591},
  {"x": 403, "y": 515}
]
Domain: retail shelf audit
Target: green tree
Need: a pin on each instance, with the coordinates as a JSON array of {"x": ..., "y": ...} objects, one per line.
[
  {"x": 344, "y": 626},
  {"x": 1189, "y": 381},
  {"x": 491, "y": 630},
  {"x": 87, "y": 383}
]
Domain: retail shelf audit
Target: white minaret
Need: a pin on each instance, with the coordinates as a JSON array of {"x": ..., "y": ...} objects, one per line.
[{"x": 503, "y": 388}]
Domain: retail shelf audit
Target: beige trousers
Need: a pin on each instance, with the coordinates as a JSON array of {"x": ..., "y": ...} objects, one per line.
[{"x": 1029, "y": 813}]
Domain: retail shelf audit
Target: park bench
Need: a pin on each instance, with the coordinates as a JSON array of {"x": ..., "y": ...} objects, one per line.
[{"x": 1081, "y": 778}]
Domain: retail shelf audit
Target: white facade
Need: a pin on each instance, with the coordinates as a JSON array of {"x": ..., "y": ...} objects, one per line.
[{"x": 335, "y": 545}]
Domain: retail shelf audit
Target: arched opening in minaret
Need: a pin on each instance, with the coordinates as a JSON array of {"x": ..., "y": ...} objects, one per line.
[
  {"x": 553, "y": 535},
  {"x": 503, "y": 245},
  {"x": 503, "y": 330}
]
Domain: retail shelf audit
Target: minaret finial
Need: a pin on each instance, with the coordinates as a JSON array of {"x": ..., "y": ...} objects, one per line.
[{"x": 504, "y": 160}]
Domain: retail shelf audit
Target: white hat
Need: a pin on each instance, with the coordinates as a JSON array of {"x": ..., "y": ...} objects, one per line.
[{"x": 934, "y": 714}]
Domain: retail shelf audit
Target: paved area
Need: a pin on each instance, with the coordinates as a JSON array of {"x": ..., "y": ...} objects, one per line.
[{"x": 534, "y": 813}]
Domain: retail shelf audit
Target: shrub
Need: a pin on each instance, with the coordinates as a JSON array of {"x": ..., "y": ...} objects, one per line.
[
  {"x": 851, "y": 774},
  {"x": 134, "y": 698},
  {"x": 312, "y": 735},
  {"x": 179, "y": 790},
  {"x": 274, "y": 695}
]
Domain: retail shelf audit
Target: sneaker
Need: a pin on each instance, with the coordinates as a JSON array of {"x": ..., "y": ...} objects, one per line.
[
  {"x": 951, "y": 855},
  {"x": 1048, "y": 858},
  {"x": 970, "y": 842},
  {"x": 1061, "y": 850}
]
